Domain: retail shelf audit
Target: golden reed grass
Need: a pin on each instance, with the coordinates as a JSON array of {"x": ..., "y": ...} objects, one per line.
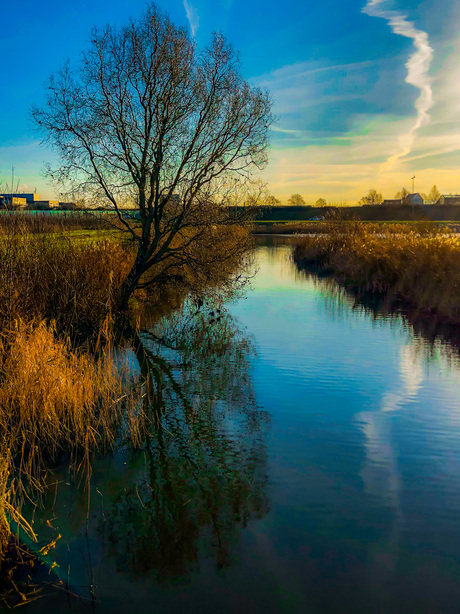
[
  {"x": 60, "y": 397},
  {"x": 419, "y": 263},
  {"x": 55, "y": 402},
  {"x": 55, "y": 399},
  {"x": 74, "y": 283},
  {"x": 16, "y": 222}
]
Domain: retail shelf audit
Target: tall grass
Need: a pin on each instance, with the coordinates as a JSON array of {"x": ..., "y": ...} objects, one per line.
[
  {"x": 56, "y": 402},
  {"x": 61, "y": 397},
  {"x": 54, "y": 277},
  {"x": 56, "y": 398},
  {"x": 418, "y": 263},
  {"x": 14, "y": 222},
  {"x": 75, "y": 282}
]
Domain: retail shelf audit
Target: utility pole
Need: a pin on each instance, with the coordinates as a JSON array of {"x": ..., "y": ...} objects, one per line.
[
  {"x": 413, "y": 192},
  {"x": 413, "y": 184}
]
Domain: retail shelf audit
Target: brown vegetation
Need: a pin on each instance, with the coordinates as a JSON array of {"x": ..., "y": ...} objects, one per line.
[
  {"x": 419, "y": 263},
  {"x": 14, "y": 222},
  {"x": 54, "y": 277},
  {"x": 56, "y": 402},
  {"x": 59, "y": 396},
  {"x": 76, "y": 281}
]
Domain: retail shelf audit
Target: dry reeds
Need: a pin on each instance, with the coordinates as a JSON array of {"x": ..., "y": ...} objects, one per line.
[
  {"x": 54, "y": 277},
  {"x": 60, "y": 397},
  {"x": 18, "y": 222},
  {"x": 418, "y": 263},
  {"x": 55, "y": 402}
]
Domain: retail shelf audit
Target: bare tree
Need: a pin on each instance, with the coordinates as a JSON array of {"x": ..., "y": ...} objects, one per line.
[
  {"x": 434, "y": 195},
  {"x": 403, "y": 193},
  {"x": 296, "y": 200},
  {"x": 372, "y": 198},
  {"x": 272, "y": 201},
  {"x": 149, "y": 119}
]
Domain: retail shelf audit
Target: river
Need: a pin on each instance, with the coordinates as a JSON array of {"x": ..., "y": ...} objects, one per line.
[{"x": 308, "y": 461}]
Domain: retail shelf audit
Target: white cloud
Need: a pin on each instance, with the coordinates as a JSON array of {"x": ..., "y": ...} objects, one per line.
[
  {"x": 305, "y": 84},
  {"x": 340, "y": 155},
  {"x": 192, "y": 16},
  {"x": 417, "y": 73}
]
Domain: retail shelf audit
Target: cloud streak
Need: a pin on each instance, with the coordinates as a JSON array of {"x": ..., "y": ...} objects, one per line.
[
  {"x": 417, "y": 72},
  {"x": 192, "y": 16}
]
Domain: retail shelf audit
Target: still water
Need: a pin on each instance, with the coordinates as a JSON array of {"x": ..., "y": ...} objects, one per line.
[{"x": 308, "y": 461}]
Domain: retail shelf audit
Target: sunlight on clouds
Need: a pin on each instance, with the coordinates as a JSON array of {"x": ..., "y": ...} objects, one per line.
[
  {"x": 341, "y": 172},
  {"x": 303, "y": 85},
  {"x": 330, "y": 172},
  {"x": 343, "y": 129},
  {"x": 417, "y": 73}
]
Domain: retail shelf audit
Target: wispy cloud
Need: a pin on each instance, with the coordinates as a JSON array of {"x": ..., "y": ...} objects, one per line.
[
  {"x": 192, "y": 16},
  {"x": 307, "y": 68},
  {"x": 417, "y": 72}
]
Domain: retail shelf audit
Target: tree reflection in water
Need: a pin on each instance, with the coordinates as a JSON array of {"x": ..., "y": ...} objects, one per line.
[{"x": 205, "y": 456}]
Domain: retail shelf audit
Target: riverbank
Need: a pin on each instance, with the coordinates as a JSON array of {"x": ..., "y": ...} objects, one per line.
[
  {"x": 373, "y": 213},
  {"x": 323, "y": 226},
  {"x": 67, "y": 393},
  {"x": 281, "y": 421},
  {"x": 419, "y": 265}
]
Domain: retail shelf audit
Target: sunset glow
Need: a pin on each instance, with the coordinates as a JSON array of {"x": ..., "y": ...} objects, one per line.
[{"x": 366, "y": 94}]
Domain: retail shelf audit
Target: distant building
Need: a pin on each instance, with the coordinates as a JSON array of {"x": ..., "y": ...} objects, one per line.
[
  {"x": 30, "y": 198},
  {"x": 412, "y": 199},
  {"x": 451, "y": 199},
  {"x": 392, "y": 201},
  {"x": 32, "y": 202},
  {"x": 12, "y": 202},
  {"x": 25, "y": 200}
]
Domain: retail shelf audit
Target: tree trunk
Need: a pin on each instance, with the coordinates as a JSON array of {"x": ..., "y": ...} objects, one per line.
[{"x": 131, "y": 281}]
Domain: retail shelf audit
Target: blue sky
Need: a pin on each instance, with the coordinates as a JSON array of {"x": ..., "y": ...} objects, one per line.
[{"x": 348, "y": 119}]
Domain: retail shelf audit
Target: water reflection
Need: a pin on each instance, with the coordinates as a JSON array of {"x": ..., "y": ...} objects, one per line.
[
  {"x": 433, "y": 330},
  {"x": 424, "y": 340},
  {"x": 429, "y": 333},
  {"x": 204, "y": 476},
  {"x": 362, "y": 457},
  {"x": 197, "y": 479}
]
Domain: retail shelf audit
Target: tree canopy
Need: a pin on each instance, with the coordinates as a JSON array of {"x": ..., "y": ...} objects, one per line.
[
  {"x": 272, "y": 201},
  {"x": 403, "y": 192},
  {"x": 149, "y": 120}
]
